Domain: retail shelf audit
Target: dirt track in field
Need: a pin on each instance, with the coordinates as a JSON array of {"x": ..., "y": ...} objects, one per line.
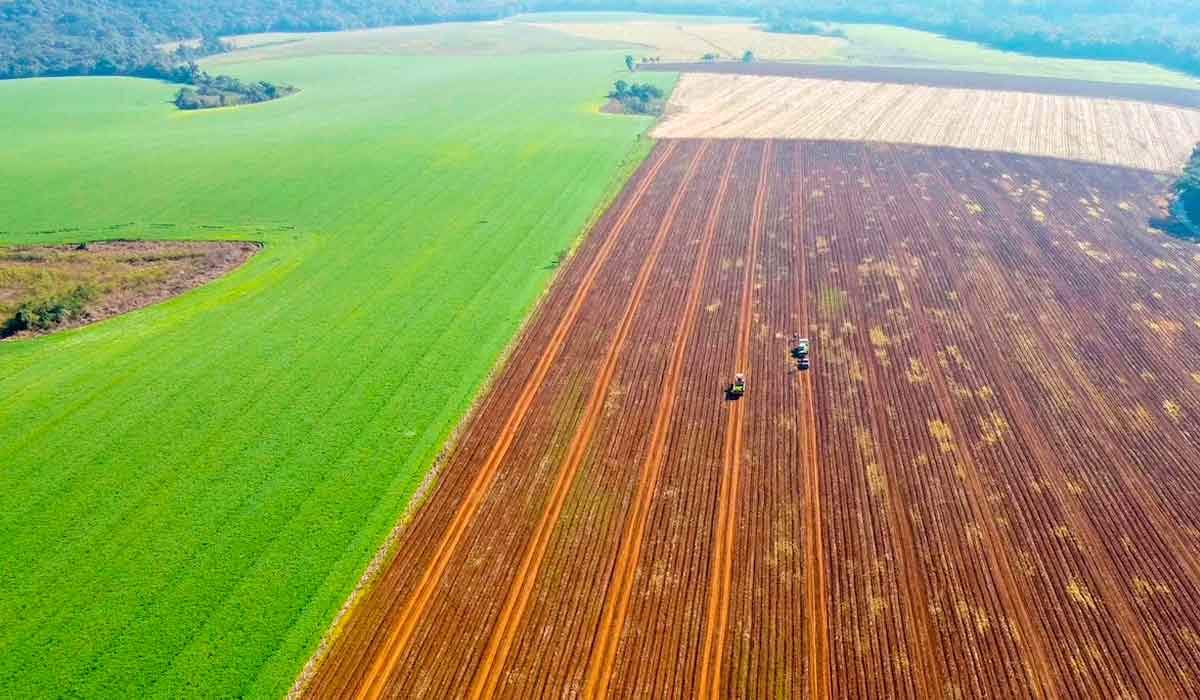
[{"x": 986, "y": 486}]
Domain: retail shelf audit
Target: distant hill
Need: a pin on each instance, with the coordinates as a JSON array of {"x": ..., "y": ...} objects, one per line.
[{"x": 74, "y": 37}]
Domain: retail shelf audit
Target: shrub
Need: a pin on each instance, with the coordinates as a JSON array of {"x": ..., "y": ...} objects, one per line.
[
  {"x": 637, "y": 98},
  {"x": 46, "y": 313}
]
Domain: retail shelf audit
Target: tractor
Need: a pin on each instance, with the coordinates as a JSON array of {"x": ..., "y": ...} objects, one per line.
[
  {"x": 737, "y": 389},
  {"x": 800, "y": 349}
]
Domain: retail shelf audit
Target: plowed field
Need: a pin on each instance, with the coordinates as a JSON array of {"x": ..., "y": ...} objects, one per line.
[{"x": 987, "y": 485}]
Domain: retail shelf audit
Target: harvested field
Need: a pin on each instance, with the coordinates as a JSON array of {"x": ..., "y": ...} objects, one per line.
[
  {"x": 987, "y": 485},
  {"x": 108, "y": 277},
  {"x": 682, "y": 41},
  {"x": 1113, "y": 132},
  {"x": 1159, "y": 94}
]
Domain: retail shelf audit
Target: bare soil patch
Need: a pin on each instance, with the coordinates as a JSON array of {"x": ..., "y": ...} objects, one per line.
[{"x": 45, "y": 289}]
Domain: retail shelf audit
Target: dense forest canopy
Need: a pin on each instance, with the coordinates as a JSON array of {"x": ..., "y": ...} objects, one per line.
[
  {"x": 65, "y": 37},
  {"x": 1166, "y": 33}
]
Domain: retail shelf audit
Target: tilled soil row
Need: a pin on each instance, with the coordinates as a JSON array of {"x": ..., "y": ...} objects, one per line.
[{"x": 986, "y": 485}]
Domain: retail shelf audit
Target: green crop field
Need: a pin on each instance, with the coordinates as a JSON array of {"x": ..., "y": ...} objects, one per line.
[
  {"x": 189, "y": 492},
  {"x": 883, "y": 45}
]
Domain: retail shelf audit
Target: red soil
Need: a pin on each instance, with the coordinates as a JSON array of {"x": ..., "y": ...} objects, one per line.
[{"x": 986, "y": 486}]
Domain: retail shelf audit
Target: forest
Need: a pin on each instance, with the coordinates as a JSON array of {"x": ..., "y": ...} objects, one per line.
[
  {"x": 106, "y": 37},
  {"x": 1164, "y": 33}
]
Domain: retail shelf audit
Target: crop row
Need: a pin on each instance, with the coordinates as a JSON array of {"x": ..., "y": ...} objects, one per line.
[{"x": 985, "y": 487}]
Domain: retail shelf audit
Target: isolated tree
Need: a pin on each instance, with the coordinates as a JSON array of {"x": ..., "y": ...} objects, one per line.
[
  {"x": 748, "y": 57},
  {"x": 1191, "y": 173},
  {"x": 1187, "y": 188},
  {"x": 629, "y": 62}
]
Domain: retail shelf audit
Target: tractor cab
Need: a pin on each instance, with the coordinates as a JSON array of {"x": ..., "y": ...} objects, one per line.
[
  {"x": 800, "y": 351},
  {"x": 738, "y": 388}
]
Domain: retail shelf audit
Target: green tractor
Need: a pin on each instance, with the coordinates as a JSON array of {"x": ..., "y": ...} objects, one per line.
[{"x": 738, "y": 388}]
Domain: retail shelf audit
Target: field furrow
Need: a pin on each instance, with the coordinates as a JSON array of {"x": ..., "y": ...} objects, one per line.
[{"x": 985, "y": 486}]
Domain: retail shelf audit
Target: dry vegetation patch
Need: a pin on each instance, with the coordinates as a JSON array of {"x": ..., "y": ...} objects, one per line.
[
  {"x": 679, "y": 41},
  {"x": 49, "y": 288},
  {"x": 452, "y": 39},
  {"x": 1113, "y": 132}
]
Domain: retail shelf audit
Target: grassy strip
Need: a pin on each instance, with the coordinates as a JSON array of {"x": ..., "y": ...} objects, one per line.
[{"x": 191, "y": 490}]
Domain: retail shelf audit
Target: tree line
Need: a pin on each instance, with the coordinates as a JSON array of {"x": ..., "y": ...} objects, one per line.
[
  {"x": 1165, "y": 33},
  {"x": 122, "y": 37},
  {"x": 110, "y": 37},
  {"x": 204, "y": 91}
]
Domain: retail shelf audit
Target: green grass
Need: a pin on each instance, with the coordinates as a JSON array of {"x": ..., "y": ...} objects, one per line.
[
  {"x": 883, "y": 45},
  {"x": 449, "y": 39},
  {"x": 189, "y": 492},
  {"x": 605, "y": 17}
]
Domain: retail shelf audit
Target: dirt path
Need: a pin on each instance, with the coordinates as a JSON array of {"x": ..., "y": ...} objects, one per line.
[
  {"x": 717, "y": 620},
  {"x": 816, "y": 597},
  {"x": 616, "y": 604},
  {"x": 488, "y": 674}
]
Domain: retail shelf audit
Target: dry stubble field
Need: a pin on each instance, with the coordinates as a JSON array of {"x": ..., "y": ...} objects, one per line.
[
  {"x": 688, "y": 41},
  {"x": 1114, "y": 132},
  {"x": 987, "y": 485}
]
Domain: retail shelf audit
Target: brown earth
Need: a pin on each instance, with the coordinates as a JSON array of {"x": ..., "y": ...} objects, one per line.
[
  {"x": 123, "y": 275},
  {"x": 933, "y": 77},
  {"x": 988, "y": 484}
]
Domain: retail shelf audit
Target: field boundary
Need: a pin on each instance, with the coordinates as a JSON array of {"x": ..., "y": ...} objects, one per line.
[
  {"x": 487, "y": 675},
  {"x": 604, "y": 648},
  {"x": 397, "y": 640},
  {"x": 931, "y": 147},
  {"x": 387, "y": 549},
  {"x": 945, "y": 78},
  {"x": 720, "y": 589},
  {"x": 816, "y": 643}
]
